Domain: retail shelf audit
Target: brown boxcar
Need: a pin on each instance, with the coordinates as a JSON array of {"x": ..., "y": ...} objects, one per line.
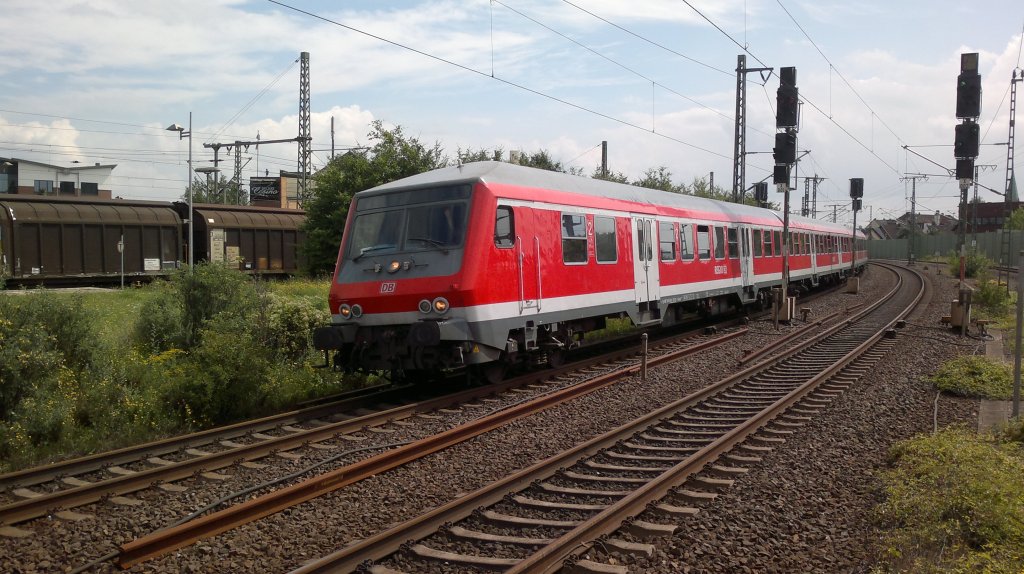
[
  {"x": 257, "y": 239},
  {"x": 69, "y": 239}
]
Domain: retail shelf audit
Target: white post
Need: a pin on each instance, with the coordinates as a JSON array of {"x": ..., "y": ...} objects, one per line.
[{"x": 120, "y": 249}]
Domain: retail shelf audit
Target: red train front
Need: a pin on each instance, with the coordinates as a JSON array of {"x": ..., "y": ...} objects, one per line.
[{"x": 489, "y": 264}]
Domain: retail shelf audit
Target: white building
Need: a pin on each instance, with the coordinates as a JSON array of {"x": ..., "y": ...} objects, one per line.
[{"x": 27, "y": 177}]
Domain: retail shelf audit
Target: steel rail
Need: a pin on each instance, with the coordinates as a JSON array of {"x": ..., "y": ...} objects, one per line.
[
  {"x": 164, "y": 541},
  {"x": 99, "y": 461},
  {"x": 389, "y": 541},
  {"x": 551, "y": 557}
]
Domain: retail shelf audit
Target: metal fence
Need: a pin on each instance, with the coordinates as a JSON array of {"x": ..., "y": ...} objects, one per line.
[{"x": 927, "y": 246}]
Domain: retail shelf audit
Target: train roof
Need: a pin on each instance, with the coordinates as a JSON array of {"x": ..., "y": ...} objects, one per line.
[{"x": 517, "y": 175}]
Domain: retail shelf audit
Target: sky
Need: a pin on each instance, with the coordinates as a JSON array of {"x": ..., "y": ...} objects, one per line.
[{"x": 98, "y": 81}]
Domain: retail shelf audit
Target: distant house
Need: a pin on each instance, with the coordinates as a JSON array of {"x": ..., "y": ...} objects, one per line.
[
  {"x": 927, "y": 224},
  {"x": 27, "y": 177},
  {"x": 989, "y": 216}
]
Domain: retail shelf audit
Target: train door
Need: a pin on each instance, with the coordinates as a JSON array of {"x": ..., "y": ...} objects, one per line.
[
  {"x": 528, "y": 261},
  {"x": 814, "y": 255},
  {"x": 746, "y": 263},
  {"x": 645, "y": 266}
]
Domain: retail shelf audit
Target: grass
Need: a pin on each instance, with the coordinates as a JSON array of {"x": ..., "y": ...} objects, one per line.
[
  {"x": 954, "y": 503},
  {"x": 83, "y": 372},
  {"x": 975, "y": 376}
]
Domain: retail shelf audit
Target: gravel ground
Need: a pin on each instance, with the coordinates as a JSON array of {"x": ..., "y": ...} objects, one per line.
[{"x": 841, "y": 488}]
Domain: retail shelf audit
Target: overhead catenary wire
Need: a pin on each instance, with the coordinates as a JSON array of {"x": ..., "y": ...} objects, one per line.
[
  {"x": 832, "y": 67},
  {"x": 500, "y": 79}
]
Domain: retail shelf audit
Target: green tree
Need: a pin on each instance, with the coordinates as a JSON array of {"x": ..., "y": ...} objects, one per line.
[
  {"x": 220, "y": 191},
  {"x": 392, "y": 156},
  {"x": 540, "y": 159},
  {"x": 1016, "y": 219},
  {"x": 616, "y": 176},
  {"x": 658, "y": 178}
]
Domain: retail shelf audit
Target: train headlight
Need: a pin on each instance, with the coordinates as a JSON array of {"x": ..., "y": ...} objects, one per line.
[
  {"x": 425, "y": 306},
  {"x": 394, "y": 266},
  {"x": 357, "y": 311},
  {"x": 441, "y": 305},
  {"x": 345, "y": 311}
]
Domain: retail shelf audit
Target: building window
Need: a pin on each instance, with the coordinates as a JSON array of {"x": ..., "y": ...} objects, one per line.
[
  {"x": 605, "y": 239},
  {"x": 44, "y": 187},
  {"x": 574, "y": 238},
  {"x": 90, "y": 188},
  {"x": 67, "y": 188}
]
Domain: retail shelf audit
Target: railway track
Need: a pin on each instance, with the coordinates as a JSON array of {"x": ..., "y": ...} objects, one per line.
[
  {"x": 538, "y": 519},
  {"x": 54, "y": 490}
]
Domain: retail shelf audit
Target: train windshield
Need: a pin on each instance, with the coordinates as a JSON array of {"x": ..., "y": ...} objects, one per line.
[{"x": 405, "y": 221}]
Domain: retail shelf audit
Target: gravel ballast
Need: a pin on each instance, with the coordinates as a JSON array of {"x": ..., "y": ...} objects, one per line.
[{"x": 804, "y": 508}]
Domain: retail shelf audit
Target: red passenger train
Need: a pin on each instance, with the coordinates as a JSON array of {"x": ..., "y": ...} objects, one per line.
[{"x": 489, "y": 264}]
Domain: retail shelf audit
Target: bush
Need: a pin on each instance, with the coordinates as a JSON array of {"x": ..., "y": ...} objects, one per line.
[
  {"x": 290, "y": 323},
  {"x": 993, "y": 298},
  {"x": 161, "y": 323},
  {"x": 955, "y": 503},
  {"x": 975, "y": 263},
  {"x": 975, "y": 376}
]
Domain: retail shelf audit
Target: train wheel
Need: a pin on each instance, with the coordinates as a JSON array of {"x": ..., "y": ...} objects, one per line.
[
  {"x": 489, "y": 373},
  {"x": 556, "y": 358}
]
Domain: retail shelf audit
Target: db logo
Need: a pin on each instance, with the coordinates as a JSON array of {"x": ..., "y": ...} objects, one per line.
[{"x": 387, "y": 287}]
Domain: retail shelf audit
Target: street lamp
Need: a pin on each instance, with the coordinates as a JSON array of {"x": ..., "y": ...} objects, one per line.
[{"x": 182, "y": 134}]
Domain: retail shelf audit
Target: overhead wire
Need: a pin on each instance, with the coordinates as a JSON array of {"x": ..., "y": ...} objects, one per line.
[
  {"x": 252, "y": 101},
  {"x": 499, "y": 79},
  {"x": 615, "y": 62},
  {"x": 648, "y": 40},
  {"x": 836, "y": 70}
]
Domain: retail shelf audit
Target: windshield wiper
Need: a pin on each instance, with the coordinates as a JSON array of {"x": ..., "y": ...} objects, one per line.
[
  {"x": 366, "y": 250},
  {"x": 439, "y": 244}
]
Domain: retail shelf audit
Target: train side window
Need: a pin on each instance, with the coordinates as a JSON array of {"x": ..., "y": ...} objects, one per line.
[
  {"x": 574, "y": 238},
  {"x": 703, "y": 242},
  {"x": 667, "y": 241},
  {"x": 796, "y": 243},
  {"x": 719, "y": 243},
  {"x": 805, "y": 243},
  {"x": 767, "y": 242},
  {"x": 777, "y": 241},
  {"x": 504, "y": 227},
  {"x": 606, "y": 241},
  {"x": 734, "y": 243},
  {"x": 686, "y": 241},
  {"x": 758, "y": 246}
]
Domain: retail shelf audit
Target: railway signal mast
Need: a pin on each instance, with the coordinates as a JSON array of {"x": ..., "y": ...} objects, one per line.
[
  {"x": 787, "y": 123},
  {"x": 966, "y": 140}
]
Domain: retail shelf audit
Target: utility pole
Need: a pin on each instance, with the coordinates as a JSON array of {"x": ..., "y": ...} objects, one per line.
[
  {"x": 237, "y": 145},
  {"x": 305, "y": 137},
  {"x": 739, "y": 150},
  {"x": 913, "y": 214},
  {"x": 332, "y": 137},
  {"x": 604, "y": 159},
  {"x": 1009, "y": 195}
]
